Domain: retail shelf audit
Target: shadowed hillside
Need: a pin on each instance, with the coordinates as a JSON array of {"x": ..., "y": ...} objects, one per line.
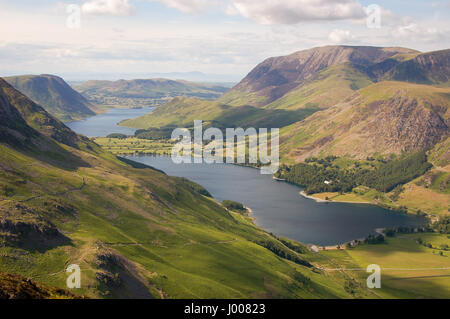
[{"x": 55, "y": 95}]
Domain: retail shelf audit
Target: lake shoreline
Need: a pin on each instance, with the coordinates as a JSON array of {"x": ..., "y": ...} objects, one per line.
[
  {"x": 320, "y": 200},
  {"x": 293, "y": 214}
]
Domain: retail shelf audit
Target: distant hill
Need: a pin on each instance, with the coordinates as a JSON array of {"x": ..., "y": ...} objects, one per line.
[
  {"x": 145, "y": 92},
  {"x": 55, "y": 95}
]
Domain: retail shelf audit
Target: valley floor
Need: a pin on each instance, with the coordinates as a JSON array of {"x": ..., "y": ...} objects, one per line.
[{"x": 408, "y": 269}]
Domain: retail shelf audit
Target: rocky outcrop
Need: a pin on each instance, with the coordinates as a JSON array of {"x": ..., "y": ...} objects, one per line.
[
  {"x": 401, "y": 124},
  {"x": 408, "y": 118},
  {"x": 22, "y": 226},
  {"x": 17, "y": 287},
  {"x": 118, "y": 276}
]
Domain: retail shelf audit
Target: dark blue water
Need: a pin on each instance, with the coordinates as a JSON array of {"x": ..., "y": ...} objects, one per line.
[
  {"x": 105, "y": 124},
  {"x": 279, "y": 208}
]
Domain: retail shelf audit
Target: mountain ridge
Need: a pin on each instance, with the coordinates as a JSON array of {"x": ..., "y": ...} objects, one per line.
[
  {"x": 324, "y": 80},
  {"x": 276, "y": 76}
]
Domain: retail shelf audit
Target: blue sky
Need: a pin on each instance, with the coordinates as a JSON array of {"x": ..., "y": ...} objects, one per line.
[{"x": 222, "y": 38}]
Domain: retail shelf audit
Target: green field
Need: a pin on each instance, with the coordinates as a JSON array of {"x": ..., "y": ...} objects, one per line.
[
  {"x": 409, "y": 269},
  {"x": 133, "y": 145}
]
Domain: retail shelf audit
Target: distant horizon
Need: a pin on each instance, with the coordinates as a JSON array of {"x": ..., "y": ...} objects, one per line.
[
  {"x": 222, "y": 39},
  {"x": 191, "y": 76}
]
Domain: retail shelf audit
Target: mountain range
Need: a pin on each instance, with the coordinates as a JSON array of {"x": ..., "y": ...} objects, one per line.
[
  {"x": 145, "y": 92},
  {"x": 333, "y": 100},
  {"x": 89, "y": 98}
]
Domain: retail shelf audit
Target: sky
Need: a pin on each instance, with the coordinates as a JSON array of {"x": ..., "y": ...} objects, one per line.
[{"x": 216, "y": 40}]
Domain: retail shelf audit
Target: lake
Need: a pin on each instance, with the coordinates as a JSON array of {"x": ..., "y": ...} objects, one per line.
[
  {"x": 106, "y": 123},
  {"x": 277, "y": 206}
]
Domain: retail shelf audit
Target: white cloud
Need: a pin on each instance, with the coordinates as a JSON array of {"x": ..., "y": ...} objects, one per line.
[
  {"x": 295, "y": 11},
  {"x": 341, "y": 36},
  {"x": 416, "y": 32},
  {"x": 188, "y": 6},
  {"x": 108, "y": 7}
]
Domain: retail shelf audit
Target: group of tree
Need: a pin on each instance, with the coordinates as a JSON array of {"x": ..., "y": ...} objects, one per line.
[
  {"x": 234, "y": 206},
  {"x": 119, "y": 136},
  {"x": 154, "y": 133},
  {"x": 318, "y": 176},
  {"x": 283, "y": 252}
]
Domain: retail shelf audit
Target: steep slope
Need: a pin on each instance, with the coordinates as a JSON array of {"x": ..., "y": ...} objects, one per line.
[
  {"x": 13, "y": 128},
  {"x": 54, "y": 94},
  {"x": 145, "y": 92},
  {"x": 35, "y": 116},
  {"x": 135, "y": 232},
  {"x": 275, "y": 77},
  {"x": 428, "y": 68},
  {"x": 386, "y": 117}
]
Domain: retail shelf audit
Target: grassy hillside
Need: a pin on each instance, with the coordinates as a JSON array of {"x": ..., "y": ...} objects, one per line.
[
  {"x": 55, "y": 95},
  {"x": 181, "y": 112},
  {"x": 146, "y": 92},
  {"x": 324, "y": 89},
  {"x": 134, "y": 231}
]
